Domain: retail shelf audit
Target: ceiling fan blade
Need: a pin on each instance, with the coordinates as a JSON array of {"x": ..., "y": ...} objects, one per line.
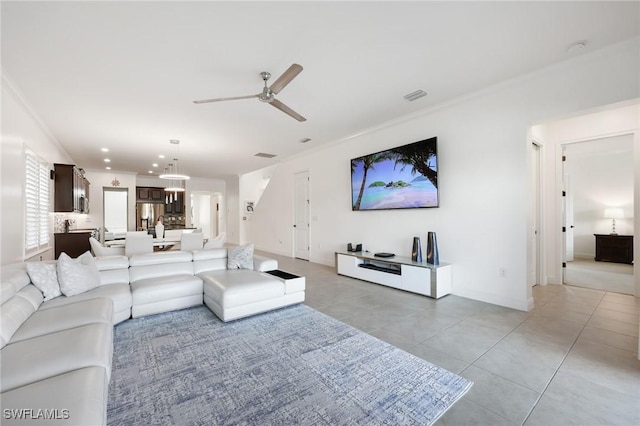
[
  {"x": 204, "y": 101},
  {"x": 286, "y": 78},
  {"x": 282, "y": 107}
]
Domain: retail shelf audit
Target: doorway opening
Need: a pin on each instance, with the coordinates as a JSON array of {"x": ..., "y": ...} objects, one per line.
[
  {"x": 204, "y": 213},
  {"x": 115, "y": 202},
  {"x": 598, "y": 176},
  {"x": 301, "y": 216}
]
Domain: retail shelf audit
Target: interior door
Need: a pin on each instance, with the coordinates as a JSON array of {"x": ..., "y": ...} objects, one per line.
[
  {"x": 301, "y": 215},
  {"x": 568, "y": 212},
  {"x": 536, "y": 257},
  {"x": 567, "y": 216}
]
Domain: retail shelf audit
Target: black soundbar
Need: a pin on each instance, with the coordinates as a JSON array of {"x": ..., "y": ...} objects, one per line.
[{"x": 380, "y": 268}]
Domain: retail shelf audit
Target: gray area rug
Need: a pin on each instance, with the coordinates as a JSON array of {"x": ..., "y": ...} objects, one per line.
[{"x": 290, "y": 366}]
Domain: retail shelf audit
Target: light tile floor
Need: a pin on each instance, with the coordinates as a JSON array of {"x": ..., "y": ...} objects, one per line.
[{"x": 571, "y": 360}]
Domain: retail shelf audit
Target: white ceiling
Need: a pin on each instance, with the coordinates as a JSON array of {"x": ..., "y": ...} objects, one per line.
[{"x": 123, "y": 75}]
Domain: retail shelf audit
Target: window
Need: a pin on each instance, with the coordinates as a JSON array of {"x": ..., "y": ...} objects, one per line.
[{"x": 36, "y": 204}]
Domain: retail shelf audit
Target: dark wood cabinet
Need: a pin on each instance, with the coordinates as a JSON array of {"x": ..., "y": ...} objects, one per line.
[
  {"x": 176, "y": 205},
  {"x": 71, "y": 190},
  {"x": 614, "y": 248},
  {"x": 73, "y": 243},
  {"x": 149, "y": 194}
]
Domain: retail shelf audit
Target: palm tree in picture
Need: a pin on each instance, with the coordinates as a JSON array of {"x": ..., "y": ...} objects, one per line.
[
  {"x": 417, "y": 156},
  {"x": 368, "y": 162}
]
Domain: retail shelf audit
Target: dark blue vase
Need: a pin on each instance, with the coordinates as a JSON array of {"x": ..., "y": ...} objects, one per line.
[
  {"x": 432, "y": 249},
  {"x": 416, "y": 251}
]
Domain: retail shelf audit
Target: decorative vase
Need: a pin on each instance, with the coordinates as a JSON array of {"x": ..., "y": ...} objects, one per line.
[
  {"x": 159, "y": 230},
  {"x": 432, "y": 249},
  {"x": 416, "y": 251}
]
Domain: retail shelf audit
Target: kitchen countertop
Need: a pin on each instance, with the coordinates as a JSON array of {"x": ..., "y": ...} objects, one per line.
[{"x": 77, "y": 231}]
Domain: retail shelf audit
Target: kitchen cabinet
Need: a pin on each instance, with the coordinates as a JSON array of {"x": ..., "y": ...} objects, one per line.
[
  {"x": 73, "y": 243},
  {"x": 149, "y": 195},
  {"x": 177, "y": 202},
  {"x": 71, "y": 189}
]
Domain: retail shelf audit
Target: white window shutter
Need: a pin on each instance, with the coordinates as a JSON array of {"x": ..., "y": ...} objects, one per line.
[{"x": 36, "y": 204}]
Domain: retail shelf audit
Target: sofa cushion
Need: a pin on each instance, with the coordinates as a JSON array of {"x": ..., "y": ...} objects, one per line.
[
  {"x": 44, "y": 276},
  {"x": 32, "y": 360},
  {"x": 160, "y": 258},
  {"x": 209, "y": 260},
  {"x": 120, "y": 294},
  {"x": 109, "y": 263},
  {"x": 77, "y": 275},
  {"x": 240, "y": 257},
  {"x": 208, "y": 254},
  {"x": 46, "y": 321},
  {"x": 164, "y": 288},
  {"x": 14, "y": 277},
  {"x": 79, "y": 398},
  {"x": 231, "y": 288},
  {"x": 15, "y": 312}
]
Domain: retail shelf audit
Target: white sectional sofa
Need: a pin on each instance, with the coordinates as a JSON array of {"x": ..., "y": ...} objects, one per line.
[{"x": 56, "y": 354}]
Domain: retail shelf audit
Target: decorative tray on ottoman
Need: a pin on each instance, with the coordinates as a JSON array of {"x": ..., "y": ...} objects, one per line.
[{"x": 292, "y": 282}]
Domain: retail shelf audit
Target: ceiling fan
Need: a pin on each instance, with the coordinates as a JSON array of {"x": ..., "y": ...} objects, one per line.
[{"x": 268, "y": 92}]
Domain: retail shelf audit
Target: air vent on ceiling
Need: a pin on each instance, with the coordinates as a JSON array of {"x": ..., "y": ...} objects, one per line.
[
  {"x": 415, "y": 95},
  {"x": 265, "y": 155}
]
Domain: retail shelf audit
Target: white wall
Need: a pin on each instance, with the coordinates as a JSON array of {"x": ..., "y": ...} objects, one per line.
[
  {"x": 233, "y": 210},
  {"x": 484, "y": 222},
  {"x": 21, "y": 128},
  {"x": 251, "y": 188}
]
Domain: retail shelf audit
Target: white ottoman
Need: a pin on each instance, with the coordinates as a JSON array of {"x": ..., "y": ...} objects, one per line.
[{"x": 237, "y": 293}]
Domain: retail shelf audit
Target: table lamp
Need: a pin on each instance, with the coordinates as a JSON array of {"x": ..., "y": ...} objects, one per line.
[{"x": 613, "y": 214}]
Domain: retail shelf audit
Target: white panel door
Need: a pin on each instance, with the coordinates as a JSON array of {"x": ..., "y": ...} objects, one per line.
[{"x": 301, "y": 215}]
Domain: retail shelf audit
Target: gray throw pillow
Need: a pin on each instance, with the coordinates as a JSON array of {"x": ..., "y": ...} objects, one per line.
[{"x": 240, "y": 257}]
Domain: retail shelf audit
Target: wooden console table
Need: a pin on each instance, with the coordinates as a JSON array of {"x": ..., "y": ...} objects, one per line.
[{"x": 614, "y": 248}]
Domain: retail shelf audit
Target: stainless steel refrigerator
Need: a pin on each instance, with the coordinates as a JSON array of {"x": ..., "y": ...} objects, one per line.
[{"x": 147, "y": 215}]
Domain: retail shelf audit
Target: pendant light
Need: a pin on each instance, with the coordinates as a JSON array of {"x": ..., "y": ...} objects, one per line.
[{"x": 173, "y": 172}]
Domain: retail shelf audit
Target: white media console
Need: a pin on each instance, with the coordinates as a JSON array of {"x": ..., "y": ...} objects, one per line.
[{"x": 397, "y": 272}]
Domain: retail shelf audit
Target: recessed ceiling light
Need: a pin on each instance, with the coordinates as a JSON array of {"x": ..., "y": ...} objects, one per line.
[
  {"x": 104, "y": 149},
  {"x": 151, "y": 171},
  {"x": 106, "y": 160},
  {"x": 577, "y": 46},
  {"x": 108, "y": 168},
  {"x": 415, "y": 95},
  {"x": 305, "y": 140},
  {"x": 155, "y": 164},
  {"x": 161, "y": 156},
  {"x": 265, "y": 155}
]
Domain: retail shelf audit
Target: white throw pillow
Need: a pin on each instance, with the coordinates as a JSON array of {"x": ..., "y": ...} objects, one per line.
[
  {"x": 77, "y": 275},
  {"x": 240, "y": 257},
  {"x": 44, "y": 276}
]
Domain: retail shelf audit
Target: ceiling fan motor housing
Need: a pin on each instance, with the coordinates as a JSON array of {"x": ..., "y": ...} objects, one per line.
[{"x": 267, "y": 94}]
